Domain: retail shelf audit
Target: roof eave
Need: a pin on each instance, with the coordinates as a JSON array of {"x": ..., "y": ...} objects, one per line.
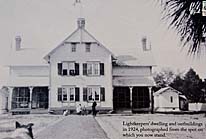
[{"x": 53, "y": 50}]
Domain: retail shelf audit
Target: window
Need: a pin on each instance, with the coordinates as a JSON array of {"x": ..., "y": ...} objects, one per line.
[
  {"x": 71, "y": 93},
  {"x": 89, "y": 90},
  {"x": 93, "y": 93},
  {"x": 93, "y": 68},
  {"x": 84, "y": 94},
  {"x": 64, "y": 92},
  {"x": 73, "y": 47},
  {"x": 171, "y": 99},
  {"x": 68, "y": 91},
  {"x": 96, "y": 68},
  {"x": 88, "y": 47},
  {"x": 68, "y": 68},
  {"x": 89, "y": 69},
  {"x": 59, "y": 95},
  {"x": 64, "y": 68},
  {"x": 96, "y": 93}
]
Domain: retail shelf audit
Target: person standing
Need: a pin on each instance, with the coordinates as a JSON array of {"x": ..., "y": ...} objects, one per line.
[{"x": 94, "y": 112}]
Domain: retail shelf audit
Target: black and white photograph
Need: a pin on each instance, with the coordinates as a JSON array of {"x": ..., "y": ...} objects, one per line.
[{"x": 102, "y": 69}]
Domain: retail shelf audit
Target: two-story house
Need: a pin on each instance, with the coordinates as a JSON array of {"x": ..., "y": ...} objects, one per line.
[{"x": 81, "y": 70}]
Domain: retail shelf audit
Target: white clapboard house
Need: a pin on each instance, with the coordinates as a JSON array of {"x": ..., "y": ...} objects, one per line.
[{"x": 78, "y": 71}]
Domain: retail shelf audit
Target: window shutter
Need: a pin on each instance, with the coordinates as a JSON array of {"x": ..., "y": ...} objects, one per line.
[
  {"x": 76, "y": 68},
  {"x": 59, "y": 68},
  {"x": 101, "y": 68},
  {"x": 102, "y": 94},
  {"x": 84, "y": 94},
  {"x": 84, "y": 68},
  {"x": 59, "y": 94},
  {"x": 77, "y": 94}
]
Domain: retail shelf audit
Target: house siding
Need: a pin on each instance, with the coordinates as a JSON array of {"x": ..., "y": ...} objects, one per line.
[
  {"x": 29, "y": 76},
  {"x": 81, "y": 56},
  {"x": 132, "y": 71},
  {"x": 54, "y": 76},
  {"x": 163, "y": 101}
]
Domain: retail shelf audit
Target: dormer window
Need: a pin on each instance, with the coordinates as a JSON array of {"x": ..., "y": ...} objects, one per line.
[
  {"x": 88, "y": 47},
  {"x": 73, "y": 47}
]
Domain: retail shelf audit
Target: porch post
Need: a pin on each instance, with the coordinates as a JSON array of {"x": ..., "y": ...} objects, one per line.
[
  {"x": 130, "y": 88},
  {"x": 112, "y": 98},
  {"x": 150, "y": 100},
  {"x": 30, "y": 98},
  {"x": 10, "y": 98}
]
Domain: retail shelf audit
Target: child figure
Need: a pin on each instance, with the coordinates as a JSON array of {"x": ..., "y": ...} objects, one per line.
[
  {"x": 84, "y": 111},
  {"x": 79, "y": 109}
]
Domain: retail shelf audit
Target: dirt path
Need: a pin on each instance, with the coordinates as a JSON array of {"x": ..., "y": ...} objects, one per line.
[{"x": 73, "y": 127}]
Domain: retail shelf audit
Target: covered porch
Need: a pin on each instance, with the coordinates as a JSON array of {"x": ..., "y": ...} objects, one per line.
[
  {"x": 133, "y": 94},
  {"x": 28, "y": 98}
]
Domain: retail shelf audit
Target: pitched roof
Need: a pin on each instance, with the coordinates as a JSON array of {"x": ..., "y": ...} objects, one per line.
[
  {"x": 162, "y": 90},
  {"x": 27, "y": 57},
  {"x": 142, "y": 58},
  {"x": 79, "y": 35}
]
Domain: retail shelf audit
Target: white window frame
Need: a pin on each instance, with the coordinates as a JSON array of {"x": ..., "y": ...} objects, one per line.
[
  {"x": 67, "y": 90},
  {"x": 73, "y": 47},
  {"x": 71, "y": 91},
  {"x": 91, "y": 91},
  {"x": 93, "y": 68},
  {"x": 88, "y": 47},
  {"x": 68, "y": 65},
  {"x": 64, "y": 92}
]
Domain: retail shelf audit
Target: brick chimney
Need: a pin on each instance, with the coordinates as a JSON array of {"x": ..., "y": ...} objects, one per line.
[
  {"x": 81, "y": 22},
  {"x": 18, "y": 43}
]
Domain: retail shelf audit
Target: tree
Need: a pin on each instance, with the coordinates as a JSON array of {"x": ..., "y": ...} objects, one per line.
[
  {"x": 192, "y": 86},
  {"x": 204, "y": 91},
  {"x": 189, "y": 19},
  {"x": 164, "y": 78},
  {"x": 178, "y": 83}
]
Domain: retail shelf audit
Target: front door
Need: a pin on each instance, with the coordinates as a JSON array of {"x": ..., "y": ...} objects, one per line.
[{"x": 121, "y": 98}]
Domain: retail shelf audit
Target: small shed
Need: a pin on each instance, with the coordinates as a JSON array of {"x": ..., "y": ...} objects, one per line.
[
  {"x": 4, "y": 100},
  {"x": 169, "y": 99}
]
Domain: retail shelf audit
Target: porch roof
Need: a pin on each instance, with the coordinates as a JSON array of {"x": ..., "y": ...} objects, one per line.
[
  {"x": 29, "y": 81},
  {"x": 133, "y": 81}
]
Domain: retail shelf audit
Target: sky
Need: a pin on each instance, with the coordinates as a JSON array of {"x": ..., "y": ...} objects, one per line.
[{"x": 117, "y": 24}]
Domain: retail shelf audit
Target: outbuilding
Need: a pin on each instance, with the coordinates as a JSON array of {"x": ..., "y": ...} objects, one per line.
[{"x": 169, "y": 99}]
